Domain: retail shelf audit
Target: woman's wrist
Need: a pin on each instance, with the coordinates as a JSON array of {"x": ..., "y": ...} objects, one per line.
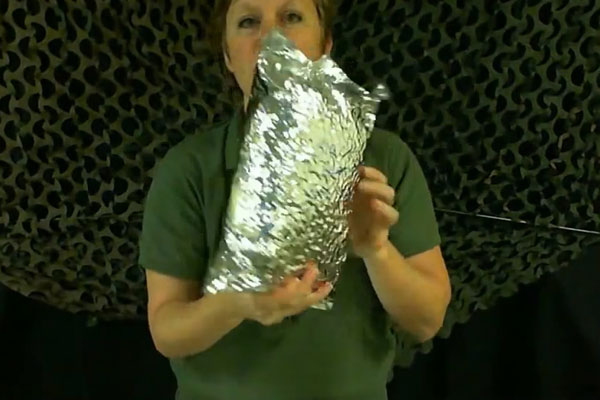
[
  {"x": 235, "y": 306},
  {"x": 377, "y": 254}
]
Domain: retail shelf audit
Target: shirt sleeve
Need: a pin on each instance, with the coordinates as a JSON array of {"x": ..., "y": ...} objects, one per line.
[
  {"x": 417, "y": 228},
  {"x": 173, "y": 231}
]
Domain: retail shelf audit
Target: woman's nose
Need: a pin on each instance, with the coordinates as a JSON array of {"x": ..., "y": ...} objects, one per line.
[{"x": 267, "y": 25}]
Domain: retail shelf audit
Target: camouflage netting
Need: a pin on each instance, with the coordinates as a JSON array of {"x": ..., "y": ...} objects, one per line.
[{"x": 499, "y": 100}]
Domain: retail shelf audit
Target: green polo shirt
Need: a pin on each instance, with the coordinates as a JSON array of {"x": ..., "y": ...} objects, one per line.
[{"x": 343, "y": 354}]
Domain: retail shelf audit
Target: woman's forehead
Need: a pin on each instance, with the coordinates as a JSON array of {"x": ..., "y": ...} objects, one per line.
[{"x": 260, "y": 4}]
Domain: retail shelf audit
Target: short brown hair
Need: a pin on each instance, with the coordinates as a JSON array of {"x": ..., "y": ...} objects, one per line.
[{"x": 325, "y": 8}]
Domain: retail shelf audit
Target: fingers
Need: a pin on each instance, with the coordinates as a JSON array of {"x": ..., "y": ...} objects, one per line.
[
  {"x": 372, "y": 173},
  {"x": 319, "y": 295},
  {"x": 385, "y": 214},
  {"x": 376, "y": 189},
  {"x": 309, "y": 277},
  {"x": 303, "y": 280},
  {"x": 317, "y": 285},
  {"x": 290, "y": 281},
  {"x": 293, "y": 296}
]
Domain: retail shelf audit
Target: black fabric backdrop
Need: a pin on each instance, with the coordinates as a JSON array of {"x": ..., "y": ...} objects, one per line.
[{"x": 542, "y": 344}]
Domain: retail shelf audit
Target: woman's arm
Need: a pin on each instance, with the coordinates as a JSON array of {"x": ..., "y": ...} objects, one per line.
[
  {"x": 182, "y": 322},
  {"x": 415, "y": 291}
]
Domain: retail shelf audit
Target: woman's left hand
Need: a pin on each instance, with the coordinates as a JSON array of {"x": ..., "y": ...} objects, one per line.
[{"x": 372, "y": 213}]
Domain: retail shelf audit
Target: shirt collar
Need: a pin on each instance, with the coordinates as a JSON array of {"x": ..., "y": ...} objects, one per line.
[{"x": 233, "y": 141}]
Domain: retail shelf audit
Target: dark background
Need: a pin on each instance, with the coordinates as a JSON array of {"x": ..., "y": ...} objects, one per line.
[{"x": 543, "y": 343}]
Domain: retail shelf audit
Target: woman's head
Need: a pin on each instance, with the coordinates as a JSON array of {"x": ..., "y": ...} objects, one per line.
[{"x": 239, "y": 26}]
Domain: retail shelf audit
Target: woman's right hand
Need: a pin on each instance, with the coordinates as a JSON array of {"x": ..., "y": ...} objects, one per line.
[{"x": 293, "y": 296}]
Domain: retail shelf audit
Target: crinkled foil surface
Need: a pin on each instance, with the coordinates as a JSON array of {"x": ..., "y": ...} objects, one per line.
[{"x": 307, "y": 129}]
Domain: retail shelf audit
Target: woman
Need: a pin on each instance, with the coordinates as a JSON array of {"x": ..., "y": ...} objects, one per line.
[{"x": 243, "y": 345}]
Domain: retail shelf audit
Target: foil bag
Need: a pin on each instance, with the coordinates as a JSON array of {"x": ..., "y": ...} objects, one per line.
[{"x": 305, "y": 135}]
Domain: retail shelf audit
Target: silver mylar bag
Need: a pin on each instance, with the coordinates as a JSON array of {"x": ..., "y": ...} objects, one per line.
[{"x": 307, "y": 130}]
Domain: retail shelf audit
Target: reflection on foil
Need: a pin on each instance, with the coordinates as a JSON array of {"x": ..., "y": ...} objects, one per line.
[{"x": 306, "y": 132}]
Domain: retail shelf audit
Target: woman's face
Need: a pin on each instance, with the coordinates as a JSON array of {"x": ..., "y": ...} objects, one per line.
[{"x": 249, "y": 20}]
